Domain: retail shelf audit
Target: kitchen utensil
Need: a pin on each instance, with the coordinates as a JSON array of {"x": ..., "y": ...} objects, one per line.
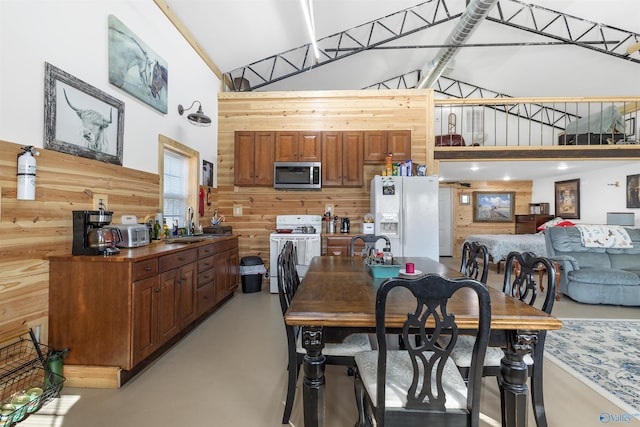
[{"x": 307, "y": 229}]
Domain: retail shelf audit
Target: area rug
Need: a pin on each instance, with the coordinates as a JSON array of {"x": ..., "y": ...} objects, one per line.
[{"x": 603, "y": 354}]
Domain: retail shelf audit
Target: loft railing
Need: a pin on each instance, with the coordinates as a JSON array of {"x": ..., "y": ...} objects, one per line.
[{"x": 536, "y": 122}]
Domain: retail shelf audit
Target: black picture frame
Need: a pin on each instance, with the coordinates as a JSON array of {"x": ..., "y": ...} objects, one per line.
[
  {"x": 207, "y": 173},
  {"x": 633, "y": 191},
  {"x": 567, "y": 199},
  {"x": 493, "y": 206},
  {"x": 80, "y": 119}
]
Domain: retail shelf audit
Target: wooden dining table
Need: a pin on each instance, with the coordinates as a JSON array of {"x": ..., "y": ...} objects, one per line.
[{"x": 337, "y": 298}]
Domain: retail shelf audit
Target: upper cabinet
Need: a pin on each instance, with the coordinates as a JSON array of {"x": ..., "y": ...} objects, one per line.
[
  {"x": 342, "y": 154},
  {"x": 253, "y": 158},
  {"x": 293, "y": 146},
  {"x": 378, "y": 143}
]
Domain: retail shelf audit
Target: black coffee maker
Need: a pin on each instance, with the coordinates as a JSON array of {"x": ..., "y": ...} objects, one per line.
[
  {"x": 345, "y": 225},
  {"x": 91, "y": 237}
]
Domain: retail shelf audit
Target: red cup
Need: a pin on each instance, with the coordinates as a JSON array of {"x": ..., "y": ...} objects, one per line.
[{"x": 410, "y": 268}]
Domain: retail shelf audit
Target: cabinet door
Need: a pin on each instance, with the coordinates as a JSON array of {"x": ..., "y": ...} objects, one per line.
[
  {"x": 264, "y": 158},
  {"x": 399, "y": 144},
  {"x": 309, "y": 146},
  {"x": 233, "y": 270},
  {"x": 244, "y": 158},
  {"x": 352, "y": 159},
  {"x": 220, "y": 276},
  {"x": 188, "y": 295},
  {"x": 168, "y": 305},
  {"x": 145, "y": 318},
  {"x": 331, "y": 159},
  {"x": 287, "y": 146},
  {"x": 375, "y": 147}
]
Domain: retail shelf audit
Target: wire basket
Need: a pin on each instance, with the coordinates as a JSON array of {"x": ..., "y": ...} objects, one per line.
[{"x": 25, "y": 383}]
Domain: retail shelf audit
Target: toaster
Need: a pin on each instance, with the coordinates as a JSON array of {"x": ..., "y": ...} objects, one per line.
[{"x": 133, "y": 235}]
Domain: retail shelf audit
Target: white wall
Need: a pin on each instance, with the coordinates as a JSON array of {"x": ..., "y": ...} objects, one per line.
[
  {"x": 72, "y": 35},
  {"x": 596, "y": 196}
]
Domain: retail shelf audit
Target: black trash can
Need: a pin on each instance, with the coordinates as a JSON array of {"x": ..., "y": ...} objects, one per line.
[{"x": 251, "y": 271}]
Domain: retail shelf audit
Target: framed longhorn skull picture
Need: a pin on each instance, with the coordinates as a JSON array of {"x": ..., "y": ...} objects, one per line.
[{"x": 80, "y": 119}]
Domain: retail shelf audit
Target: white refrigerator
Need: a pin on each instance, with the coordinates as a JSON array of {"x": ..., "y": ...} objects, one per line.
[{"x": 405, "y": 209}]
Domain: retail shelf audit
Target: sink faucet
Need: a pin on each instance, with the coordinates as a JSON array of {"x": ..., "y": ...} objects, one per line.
[{"x": 191, "y": 226}]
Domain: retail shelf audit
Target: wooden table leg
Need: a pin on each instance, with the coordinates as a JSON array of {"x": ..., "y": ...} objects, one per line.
[
  {"x": 313, "y": 381},
  {"x": 513, "y": 381}
]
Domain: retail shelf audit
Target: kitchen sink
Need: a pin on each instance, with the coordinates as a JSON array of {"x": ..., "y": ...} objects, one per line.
[{"x": 191, "y": 239}]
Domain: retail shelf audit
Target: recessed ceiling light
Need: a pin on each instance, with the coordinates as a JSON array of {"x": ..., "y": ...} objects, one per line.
[
  {"x": 506, "y": 178},
  {"x": 474, "y": 168},
  {"x": 562, "y": 166}
]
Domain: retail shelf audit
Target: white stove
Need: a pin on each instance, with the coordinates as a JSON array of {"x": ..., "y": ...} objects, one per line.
[{"x": 307, "y": 244}]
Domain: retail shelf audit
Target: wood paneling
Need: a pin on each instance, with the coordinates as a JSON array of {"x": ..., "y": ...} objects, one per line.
[
  {"x": 322, "y": 111},
  {"x": 33, "y": 230}
]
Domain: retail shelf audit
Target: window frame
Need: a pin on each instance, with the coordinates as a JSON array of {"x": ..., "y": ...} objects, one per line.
[{"x": 193, "y": 173}]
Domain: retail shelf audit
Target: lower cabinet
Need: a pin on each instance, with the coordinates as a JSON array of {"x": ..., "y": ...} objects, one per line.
[
  {"x": 118, "y": 311},
  {"x": 339, "y": 245}
]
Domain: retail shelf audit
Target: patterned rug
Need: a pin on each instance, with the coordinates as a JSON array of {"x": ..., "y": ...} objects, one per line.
[{"x": 604, "y": 354}]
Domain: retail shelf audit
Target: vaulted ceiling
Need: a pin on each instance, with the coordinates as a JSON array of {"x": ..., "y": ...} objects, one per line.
[{"x": 541, "y": 48}]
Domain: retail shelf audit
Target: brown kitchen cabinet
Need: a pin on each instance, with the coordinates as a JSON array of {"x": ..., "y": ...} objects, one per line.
[
  {"x": 298, "y": 146},
  {"x": 342, "y": 159},
  {"x": 339, "y": 244},
  {"x": 528, "y": 224},
  {"x": 119, "y": 311},
  {"x": 254, "y": 154},
  {"x": 377, "y": 144}
]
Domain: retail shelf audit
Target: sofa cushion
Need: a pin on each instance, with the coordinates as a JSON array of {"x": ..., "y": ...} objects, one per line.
[{"x": 604, "y": 276}]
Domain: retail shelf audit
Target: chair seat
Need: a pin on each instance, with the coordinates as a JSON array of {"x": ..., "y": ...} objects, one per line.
[
  {"x": 400, "y": 375},
  {"x": 351, "y": 345},
  {"x": 461, "y": 353}
]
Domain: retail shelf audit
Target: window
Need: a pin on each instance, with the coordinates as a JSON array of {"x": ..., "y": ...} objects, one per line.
[
  {"x": 175, "y": 188},
  {"x": 179, "y": 173}
]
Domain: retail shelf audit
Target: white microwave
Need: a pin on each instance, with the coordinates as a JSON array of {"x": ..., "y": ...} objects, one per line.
[{"x": 297, "y": 176}]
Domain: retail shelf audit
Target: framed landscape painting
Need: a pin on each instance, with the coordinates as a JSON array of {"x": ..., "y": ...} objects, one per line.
[
  {"x": 80, "y": 119},
  {"x": 567, "y": 195},
  {"x": 493, "y": 206}
]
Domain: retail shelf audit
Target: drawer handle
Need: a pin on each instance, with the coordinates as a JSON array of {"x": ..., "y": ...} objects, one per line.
[
  {"x": 157, "y": 290},
  {"x": 181, "y": 258},
  {"x": 147, "y": 268}
]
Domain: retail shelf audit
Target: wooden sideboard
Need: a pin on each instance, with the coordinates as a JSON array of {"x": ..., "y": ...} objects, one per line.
[
  {"x": 528, "y": 224},
  {"x": 119, "y": 313}
]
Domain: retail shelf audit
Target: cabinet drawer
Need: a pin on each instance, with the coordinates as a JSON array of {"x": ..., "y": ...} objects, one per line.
[
  {"x": 223, "y": 246},
  {"x": 206, "y": 276},
  {"x": 205, "y": 251},
  {"x": 169, "y": 262},
  {"x": 525, "y": 218},
  {"x": 145, "y": 269},
  {"x": 206, "y": 298},
  {"x": 205, "y": 263}
]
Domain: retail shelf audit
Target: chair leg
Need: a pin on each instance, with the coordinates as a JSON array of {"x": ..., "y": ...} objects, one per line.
[
  {"x": 537, "y": 397},
  {"x": 294, "y": 371},
  {"x": 364, "y": 419}
]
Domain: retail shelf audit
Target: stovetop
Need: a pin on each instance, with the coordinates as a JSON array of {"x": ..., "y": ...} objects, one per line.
[{"x": 296, "y": 222}]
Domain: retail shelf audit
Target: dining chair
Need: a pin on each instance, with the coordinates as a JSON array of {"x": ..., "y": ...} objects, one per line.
[
  {"x": 421, "y": 385},
  {"x": 369, "y": 240},
  {"x": 475, "y": 261},
  {"x": 519, "y": 282},
  {"x": 335, "y": 353}
]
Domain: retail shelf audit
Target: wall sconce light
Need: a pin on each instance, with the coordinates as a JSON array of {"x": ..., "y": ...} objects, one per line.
[
  {"x": 465, "y": 199},
  {"x": 198, "y": 118},
  {"x": 614, "y": 184}
]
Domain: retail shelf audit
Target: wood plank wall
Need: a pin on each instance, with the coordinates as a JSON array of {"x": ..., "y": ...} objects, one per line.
[
  {"x": 348, "y": 110},
  {"x": 33, "y": 230}
]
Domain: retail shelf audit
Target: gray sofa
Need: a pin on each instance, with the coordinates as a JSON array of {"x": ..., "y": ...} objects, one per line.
[{"x": 595, "y": 275}]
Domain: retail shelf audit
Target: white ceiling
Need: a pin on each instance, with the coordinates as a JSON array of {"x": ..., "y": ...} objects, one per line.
[{"x": 235, "y": 33}]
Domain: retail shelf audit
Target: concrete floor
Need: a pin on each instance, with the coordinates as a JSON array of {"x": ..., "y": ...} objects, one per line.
[{"x": 231, "y": 371}]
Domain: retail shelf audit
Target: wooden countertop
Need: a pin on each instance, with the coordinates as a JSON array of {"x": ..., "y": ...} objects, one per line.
[{"x": 156, "y": 248}]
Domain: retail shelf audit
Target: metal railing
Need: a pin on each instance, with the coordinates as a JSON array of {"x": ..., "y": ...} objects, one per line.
[{"x": 537, "y": 122}]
